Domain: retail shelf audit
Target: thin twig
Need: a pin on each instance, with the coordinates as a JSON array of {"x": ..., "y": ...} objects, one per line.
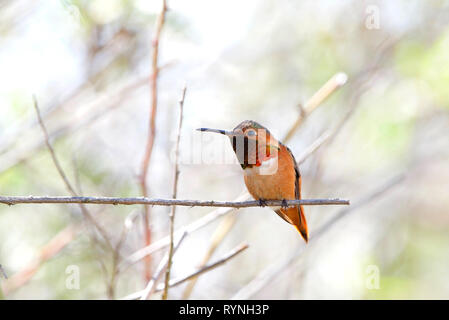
[
  {"x": 209, "y": 267},
  {"x": 116, "y": 257},
  {"x": 318, "y": 98},
  {"x": 151, "y": 132},
  {"x": 13, "y": 200},
  {"x": 217, "y": 238},
  {"x": 151, "y": 286},
  {"x": 51, "y": 150},
  {"x": 175, "y": 282},
  {"x": 175, "y": 192},
  {"x": 63, "y": 176}
]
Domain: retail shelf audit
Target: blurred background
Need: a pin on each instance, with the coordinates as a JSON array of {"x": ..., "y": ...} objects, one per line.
[{"x": 89, "y": 65}]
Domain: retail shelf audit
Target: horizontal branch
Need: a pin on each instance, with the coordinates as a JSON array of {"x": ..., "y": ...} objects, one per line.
[{"x": 165, "y": 202}]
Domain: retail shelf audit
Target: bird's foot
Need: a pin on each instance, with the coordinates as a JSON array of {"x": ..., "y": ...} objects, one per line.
[
  {"x": 284, "y": 204},
  {"x": 262, "y": 203}
]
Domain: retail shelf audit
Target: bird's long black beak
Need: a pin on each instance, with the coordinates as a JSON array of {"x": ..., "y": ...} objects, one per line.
[{"x": 224, "y": 132}]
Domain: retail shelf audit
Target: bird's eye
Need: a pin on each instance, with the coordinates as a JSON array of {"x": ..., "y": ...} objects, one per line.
[{"x": 251, "y": 133}]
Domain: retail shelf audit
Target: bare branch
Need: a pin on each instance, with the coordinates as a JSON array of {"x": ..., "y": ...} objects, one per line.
[
  {"x": 322, "y": 94},
  {"x": 151, "y": 286},
  {"x": 13, "y": 200},
  {"x": 175, "y": 192},
  {"x": 116, "y": 257},
  {"x": 209, "y": 267},
  {"x": 63, "y": 176},
  {"x": 217, "y": 238},
  {"x": 51, "y": 150},
  {"x": 175, "y": 282},
  {"x": 151, "y": 131}
]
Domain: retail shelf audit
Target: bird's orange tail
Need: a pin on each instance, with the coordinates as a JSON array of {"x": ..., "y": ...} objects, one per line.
[
  {"x": 298, "y": 219},
  {"x": 301, "y": 225}
]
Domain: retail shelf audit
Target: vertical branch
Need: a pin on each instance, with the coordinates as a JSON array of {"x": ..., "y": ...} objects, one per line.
[
  {"x": 151, "y": 131},
  {"x": 175, "y": 191},
  {"x": 152, "y": 284}
]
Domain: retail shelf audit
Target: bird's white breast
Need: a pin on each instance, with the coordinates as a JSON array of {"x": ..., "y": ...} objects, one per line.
[{"x": 267, "y": 167}]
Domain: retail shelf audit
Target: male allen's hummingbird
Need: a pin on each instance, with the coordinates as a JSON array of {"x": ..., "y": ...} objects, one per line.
[{"x": 270, "y": 169}]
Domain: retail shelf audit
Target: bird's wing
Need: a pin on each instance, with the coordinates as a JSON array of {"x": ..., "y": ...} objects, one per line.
[
  {"x": 300, "y": 223},
  {"x": 297, "y": 176},
  {"x": 283, "y": 212}
]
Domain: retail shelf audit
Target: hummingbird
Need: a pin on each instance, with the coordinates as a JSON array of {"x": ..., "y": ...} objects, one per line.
[{"x": 270, "y": 170}]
